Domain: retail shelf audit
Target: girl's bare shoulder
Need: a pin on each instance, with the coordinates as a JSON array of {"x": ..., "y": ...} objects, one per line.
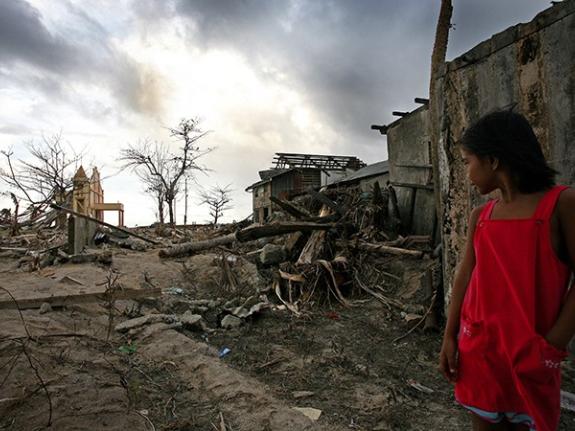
[
  {"x": 476, "y": 212},
  {"x": 566, "y": 205}
]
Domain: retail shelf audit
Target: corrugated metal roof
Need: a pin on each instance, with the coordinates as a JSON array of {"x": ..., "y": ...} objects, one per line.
[
  {"x": 372, "y": 170},
  {"x": 268, "y": 175}
]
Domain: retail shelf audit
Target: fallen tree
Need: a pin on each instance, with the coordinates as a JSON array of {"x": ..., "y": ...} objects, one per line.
[{"x": 248, "y": 234}]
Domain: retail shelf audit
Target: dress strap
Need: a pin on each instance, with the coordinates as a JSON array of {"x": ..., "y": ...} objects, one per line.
[
  {"x": 487, "y": 210},
  {"x": 547, "y": 203}
]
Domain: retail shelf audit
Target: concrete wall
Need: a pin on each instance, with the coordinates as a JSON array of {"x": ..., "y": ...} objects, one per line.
[
  {"x": 410, "y": 171},
  {"x": 261, "y": 200},
  {"x": 530, "y": 66}
]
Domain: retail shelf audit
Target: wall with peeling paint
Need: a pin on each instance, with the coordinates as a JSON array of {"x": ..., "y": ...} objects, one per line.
[{"x": 530, "y": 67}]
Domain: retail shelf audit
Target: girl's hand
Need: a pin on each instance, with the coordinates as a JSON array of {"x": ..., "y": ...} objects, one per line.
[{"x": 448, "y": 358}]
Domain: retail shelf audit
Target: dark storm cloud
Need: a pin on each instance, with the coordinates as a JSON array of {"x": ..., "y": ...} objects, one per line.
[
  {"x": 23, "y": 37},
  {"x": 353, "y": 61},
  {"x": 35, "y": 58}
]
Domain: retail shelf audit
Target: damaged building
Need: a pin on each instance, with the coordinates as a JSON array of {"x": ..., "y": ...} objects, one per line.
[{"x": 293, "y": 174}]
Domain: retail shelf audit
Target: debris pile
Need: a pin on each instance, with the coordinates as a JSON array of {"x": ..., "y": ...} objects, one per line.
[{"x": 329, "y": 247}]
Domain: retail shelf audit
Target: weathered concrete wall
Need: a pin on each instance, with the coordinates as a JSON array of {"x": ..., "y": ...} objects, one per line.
[
  {"x": 261, "y": 200},
  {"x": 410, "y": 171},
  {"x": 530, "y": 66}
]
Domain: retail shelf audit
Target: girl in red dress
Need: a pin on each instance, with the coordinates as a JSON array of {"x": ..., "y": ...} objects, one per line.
[{"x": 512, "y": 313}]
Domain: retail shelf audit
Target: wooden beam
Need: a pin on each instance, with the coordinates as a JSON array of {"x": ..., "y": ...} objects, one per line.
[
  {"x": 108, "y": 207},
  {"x": 103, "y": 223},
  {"x": 399, "y": 113},
  {"x": 289, "y": 208},
  {"x": 255, "y": 232},
  {"x": 78, "y": 298},
  {"x": 412, "y": 185},
  {"x": 420, "y": 166},
  {"x": 326, "y": 201},
  {"x": 382, "y": 129},
  {"x": 379, "y": 248},
  {"x": 421, "y": 101}
]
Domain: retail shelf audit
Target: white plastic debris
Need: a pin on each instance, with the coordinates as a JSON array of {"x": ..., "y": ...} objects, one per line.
[
  {"x": 310, "y": 412},
  {"x": 568, "y": 401}
]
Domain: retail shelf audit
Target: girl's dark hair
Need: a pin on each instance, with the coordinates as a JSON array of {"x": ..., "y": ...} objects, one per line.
[{"x": 508, "y": 136}]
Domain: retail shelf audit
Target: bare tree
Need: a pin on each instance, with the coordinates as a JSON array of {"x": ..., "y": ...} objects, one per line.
[
  {"x": 165, "y": 171},
  {"x": 44, "y": 177},
  {"x": 153, "y": 183},
  {"x": 218, "y": 199}
]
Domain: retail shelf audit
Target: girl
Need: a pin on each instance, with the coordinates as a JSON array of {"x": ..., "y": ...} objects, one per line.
[{"x": 511, "y": 314}]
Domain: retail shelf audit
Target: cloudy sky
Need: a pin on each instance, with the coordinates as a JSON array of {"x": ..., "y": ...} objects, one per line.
[{"x": 264, "y": 76}]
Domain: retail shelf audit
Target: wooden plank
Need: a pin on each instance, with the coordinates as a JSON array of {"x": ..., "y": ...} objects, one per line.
[{"x": 79, "y": 298}]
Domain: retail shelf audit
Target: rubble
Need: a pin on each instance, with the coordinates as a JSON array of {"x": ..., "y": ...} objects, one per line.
[
  {"x": 272, "y": 254},
  {"x": 275, "y": 299},
  {"x": 230, "y": 322}
]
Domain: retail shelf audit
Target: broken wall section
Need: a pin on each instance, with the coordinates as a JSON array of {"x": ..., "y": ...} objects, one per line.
[
  {"x": 410, "y": 171},
  {"x": 530, "y": 67}
]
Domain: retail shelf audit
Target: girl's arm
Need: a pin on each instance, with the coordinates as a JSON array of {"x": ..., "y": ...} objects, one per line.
[
  {"x": 564, "y": 329},
  {"x": 448, "y": 355}
]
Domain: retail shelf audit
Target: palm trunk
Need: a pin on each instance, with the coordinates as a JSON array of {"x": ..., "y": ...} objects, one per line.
[{"x": 435, "y": 115}]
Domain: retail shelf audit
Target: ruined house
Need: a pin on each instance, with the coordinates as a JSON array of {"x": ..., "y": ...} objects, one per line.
[
  {"x": 293, "y": 174},
  {"x": 530, "y": 67}
]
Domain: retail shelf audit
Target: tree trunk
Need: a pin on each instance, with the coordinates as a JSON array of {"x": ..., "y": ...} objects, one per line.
[
  {"x": 170, "y": 202},
  {"x": 248, "y": 234},
  {"x": 379, "y": 248},
  {"x": 161, "y": 215},
  {"x": 437, "y": 65},
  {"x": 189, "y": 248},
  {"x": 435, "y": 123},
  {"x": 15, "y": 227}
]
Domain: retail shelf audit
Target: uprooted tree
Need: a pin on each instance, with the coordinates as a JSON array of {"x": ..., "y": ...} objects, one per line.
[
  {"x": 162, "y": 170},
  {"x": 44, "y": 176},
  {"x": 218, "y": 199}
]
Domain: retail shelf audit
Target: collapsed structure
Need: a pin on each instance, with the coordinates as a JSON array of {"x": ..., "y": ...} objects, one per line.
[{"x": 295, "y": 173}]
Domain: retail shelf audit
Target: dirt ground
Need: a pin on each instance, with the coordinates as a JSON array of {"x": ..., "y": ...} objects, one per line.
[{"x": 71, "y": 374}]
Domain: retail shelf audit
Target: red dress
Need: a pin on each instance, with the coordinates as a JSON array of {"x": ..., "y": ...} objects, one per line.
[{"x": 513, "y": 299}]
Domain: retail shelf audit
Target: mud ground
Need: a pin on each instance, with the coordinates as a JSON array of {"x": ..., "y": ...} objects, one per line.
[{"x": 70, "y": 375}]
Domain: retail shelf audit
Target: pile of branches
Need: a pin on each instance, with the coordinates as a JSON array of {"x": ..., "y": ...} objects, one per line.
[{"x": 320, "y": 256}]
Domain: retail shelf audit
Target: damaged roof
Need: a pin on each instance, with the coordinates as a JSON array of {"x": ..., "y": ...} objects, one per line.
[
  {"x": 267, "y": 175},
  {"x": 373, "y": 170}
]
